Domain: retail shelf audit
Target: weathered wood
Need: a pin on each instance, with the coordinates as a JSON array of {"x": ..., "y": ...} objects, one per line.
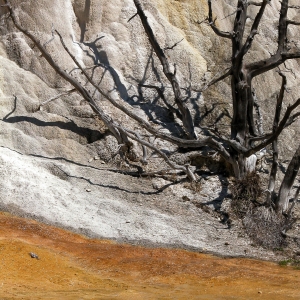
[
  {"x": 282, "y": 200},
  {"x": 57, "y": 97},
  {"x": 187, "y": 119},
  {"x": 212, "y": 24},
  {"x": 273, "y": 173},
  {"x": 240, "y": 149}
]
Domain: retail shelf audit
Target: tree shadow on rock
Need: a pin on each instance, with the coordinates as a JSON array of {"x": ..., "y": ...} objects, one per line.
[
  {"x": 83, "y": 18},
  {"x": 90, "y": 134}
]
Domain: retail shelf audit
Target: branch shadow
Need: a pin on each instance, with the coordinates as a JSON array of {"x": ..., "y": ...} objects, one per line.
[
  {"x": 156, "y": 111},
  {"x": 162, "y": 115},
  {"x": 217, "y": 202},
  {"x": 119, "y": 86},
  {"x": 13, "y": 110},
  {"x": 115, "y": 187},
  {"x": 100, "y": 59},
  {"x": 90, "y": 134},
  {"x": 193, "y": 100},
  {"x": 133, "y": 174},
  {"x": 93, "y": 48},
  {"x": 84, "y": 19}
]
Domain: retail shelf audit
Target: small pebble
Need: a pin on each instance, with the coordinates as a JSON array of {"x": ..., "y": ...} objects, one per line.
[
  {"x": 90, "y": 160},
  {"x": 33, "y": 255},
  {"x": 88, "y": 190}
]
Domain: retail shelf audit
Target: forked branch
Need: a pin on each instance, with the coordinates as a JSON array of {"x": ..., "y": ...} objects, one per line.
[
  {"x": 187, "y": 119},
  {"x": 277, "y": 132},
  {"x": 212, "y": 24}
]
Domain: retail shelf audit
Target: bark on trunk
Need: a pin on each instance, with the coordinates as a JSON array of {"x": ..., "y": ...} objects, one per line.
[
  {"x": 272, "y": 179},
  {"x": 282, "y": 201},
  {"x": 243, "y": 165}
]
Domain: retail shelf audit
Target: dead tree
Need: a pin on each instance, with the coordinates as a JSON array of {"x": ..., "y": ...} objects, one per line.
[
  {"x": 243, "y": 129},
  {"x": 245, "y": 138}
]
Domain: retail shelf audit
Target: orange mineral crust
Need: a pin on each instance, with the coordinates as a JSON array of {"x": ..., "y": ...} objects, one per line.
[{"x": 69, "y": 266}]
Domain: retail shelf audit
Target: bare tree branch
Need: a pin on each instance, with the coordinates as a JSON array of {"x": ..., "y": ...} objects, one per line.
[
  {"x": 79, "y": 88},
  {"x": 282, "y": 53},
  {"x": 162, "y": 96},
  {"x": 294, "y": 6},
  {"x": 256, "y": 3},
  {"x": 227, "y": 16},
  {"x": 238, "y": 147},
  {"x": 213, "y": 26},
  {"x": 132, "y": 17},
  {"x": 134, "y": 136},
  {"x": 292, "y": 22},
  {"x": 273, "y": 173},
  {"x": 254, "y": 28},
  {"x": 216, "y": 80},
  {"x": 207, "y": 141},
  {"x": 172, "y": 47},
  {"x": 187, "y": 119},
  {"x": 292, "y": 119},
  {"x": 52, "y": 33},
  {"x": 56, "y": 97},
  {"x": 287, "y": 183},
  {"x": 277, "y": 132}
]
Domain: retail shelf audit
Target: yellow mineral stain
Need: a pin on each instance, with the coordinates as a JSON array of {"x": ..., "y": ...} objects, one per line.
[{"x": 71, "y": 266}]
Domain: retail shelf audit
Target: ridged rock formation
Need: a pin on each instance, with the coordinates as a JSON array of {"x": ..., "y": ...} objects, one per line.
[{"x": 52, "y": 160}]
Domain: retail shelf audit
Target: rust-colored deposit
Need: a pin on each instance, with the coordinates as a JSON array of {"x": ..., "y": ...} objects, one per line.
[{"x": 73, "y": 267}]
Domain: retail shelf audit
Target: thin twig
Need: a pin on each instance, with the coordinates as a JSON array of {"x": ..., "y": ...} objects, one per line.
[
  {"x": 56, "y": 97},
  {"x": 132, "y": 17},
  {"x": 172, "y": 47}
]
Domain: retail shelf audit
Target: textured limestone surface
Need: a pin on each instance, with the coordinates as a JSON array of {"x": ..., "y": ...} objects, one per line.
[
  {"x": 54, "y": 162},
  {"x": 44, "y": 262}
]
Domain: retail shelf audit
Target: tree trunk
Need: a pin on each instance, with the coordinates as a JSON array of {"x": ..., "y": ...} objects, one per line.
[
  {"x": 272, "y": 179},
  {"x": 282, "y": 201},
  {"x": 243, "y": 165},
  {"x": 239, "y": 120},
  {"x": 242, "y": 123}
]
